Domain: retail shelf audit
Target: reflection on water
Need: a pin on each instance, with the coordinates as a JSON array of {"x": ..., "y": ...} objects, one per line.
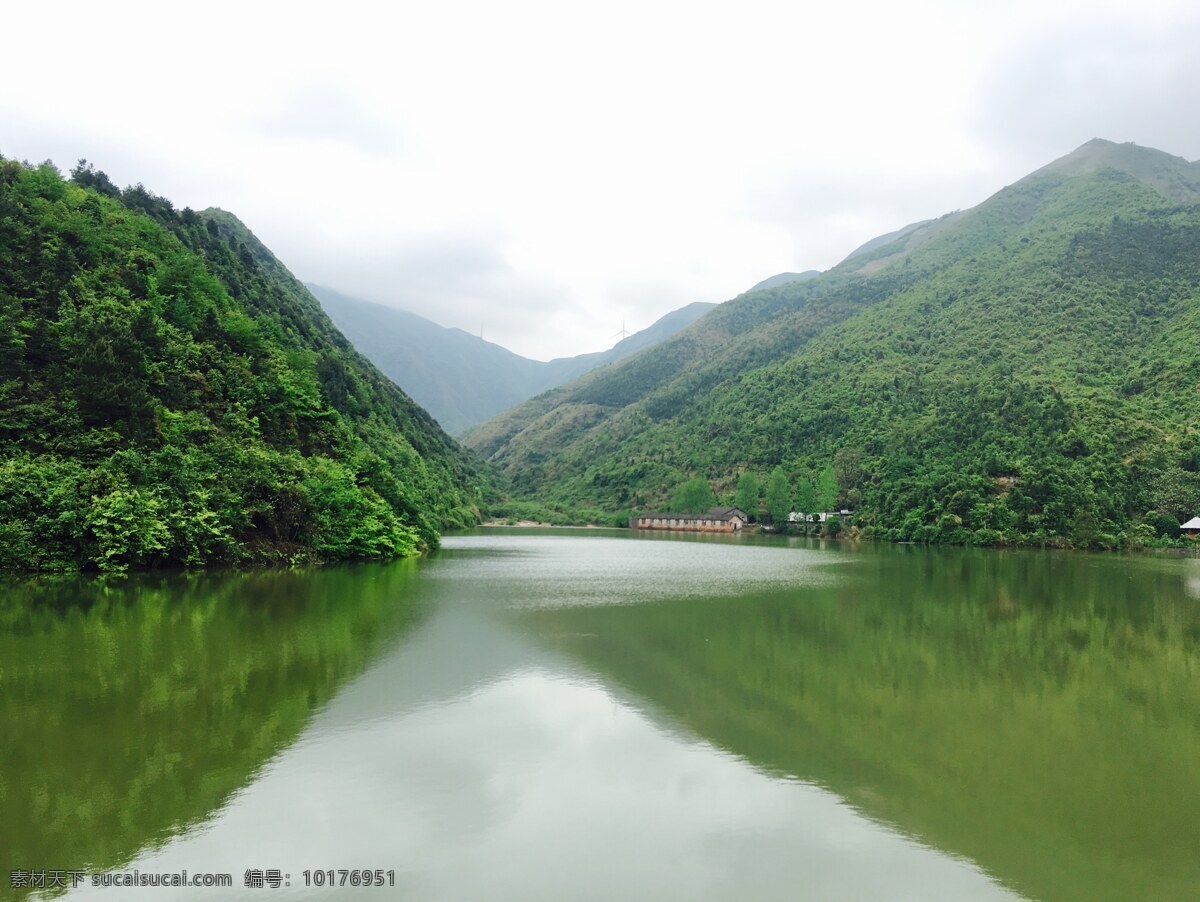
[
  {"x": 522, "y": 778},
  {"x": 569, "y": 568},
  {"x": 132, "y": 709},
  {"x": 600, "y": 715},
  {"x": 1037, "y": 713}
]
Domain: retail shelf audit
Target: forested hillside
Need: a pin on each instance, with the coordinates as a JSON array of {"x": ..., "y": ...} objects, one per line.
[
  {"x": 461, "y": 379},
  {"x": 170, "y": 394},
  {"x": 1024, "y": 371}
]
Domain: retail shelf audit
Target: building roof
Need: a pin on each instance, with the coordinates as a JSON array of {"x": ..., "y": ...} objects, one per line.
[
  {"x": 713, "y": 513},
  {"x": 1193, "y": 523},
  {"x": 726, "y": 513}
]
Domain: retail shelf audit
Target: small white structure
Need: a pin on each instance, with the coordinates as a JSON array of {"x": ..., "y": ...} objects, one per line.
[
  {"x": 801, "y": 517},
  {"x": 1191, "y": 527}
]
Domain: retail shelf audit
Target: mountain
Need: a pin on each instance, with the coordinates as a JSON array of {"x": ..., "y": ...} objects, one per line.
[
  {"x": 1020, "y": 372},
  {"x": 459, "y": 378},
  {"x": 785, "y": 278},
  {"x": 887, "y": 238},
  {"x": 171, "y": 395}
]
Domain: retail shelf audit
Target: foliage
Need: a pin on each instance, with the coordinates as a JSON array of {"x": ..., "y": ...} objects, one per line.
[
  {"x": 171, "y": 395},
  {"x": 514, "y": 512},
  {"x": 806, "y": 496},
  {"x": 826, "y": 489},
  {"x": 1084, "y": 529},
  {"x": 693, "y": 497},
  {"x": 848, "y": 468},
  {"x": 779, "y": 497},
  {"x": 749, "y": 489}
]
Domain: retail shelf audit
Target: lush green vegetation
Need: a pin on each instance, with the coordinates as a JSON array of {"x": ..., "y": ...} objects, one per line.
[
  {"x": 779, "y": 497},
  {"x": 1023, "y": 372},
  {"x": 693, "y": 497},
  {"x": 747, "y": 494},
  {"x": 171, "y": 395},
  {"x": 511, "y": 512}
]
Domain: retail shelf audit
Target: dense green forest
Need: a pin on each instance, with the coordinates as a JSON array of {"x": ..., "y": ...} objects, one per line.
[
  {"x": 1022, "y": 372},
  {"x": 171, "y": 395}
]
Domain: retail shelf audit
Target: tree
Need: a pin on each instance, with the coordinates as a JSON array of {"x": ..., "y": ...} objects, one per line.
[
  {"x": 827, "y": 489},
  {"x": 748, "y": 490},
  {"x": 779, "y": 497},
  {"x": 848, "y": 467},
  {"x": 89, "y": 176},
  {"x": 693, "y": 497},
  {"x": 1162, "y": 525},
  {"x": 1084, "y": 530},
  {"x": 806, "y": 496}
]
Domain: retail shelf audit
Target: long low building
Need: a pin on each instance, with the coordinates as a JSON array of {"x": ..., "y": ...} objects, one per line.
[{"x": 717, "y": 519}]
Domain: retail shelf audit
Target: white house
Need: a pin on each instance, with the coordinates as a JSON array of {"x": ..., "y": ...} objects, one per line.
[{"x": 800, "y": 517}]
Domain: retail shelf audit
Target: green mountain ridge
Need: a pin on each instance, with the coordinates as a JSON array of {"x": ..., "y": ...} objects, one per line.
[
  {"x": 1023, "y": 371},
  {"x": 460, "y": 378},
  {"x": 785, "y": 278},
  {"x": 887, "y": 238},
  {"x": 171, "y": 395}
]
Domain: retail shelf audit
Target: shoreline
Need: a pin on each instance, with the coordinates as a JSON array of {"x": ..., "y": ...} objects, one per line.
[{"x": 524, "y": 524}]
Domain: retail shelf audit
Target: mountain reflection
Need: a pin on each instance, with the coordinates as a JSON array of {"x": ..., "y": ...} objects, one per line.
[{"x": 134, "y": 708}]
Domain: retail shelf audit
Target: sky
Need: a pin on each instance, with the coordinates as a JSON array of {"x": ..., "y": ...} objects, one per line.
[{"x": 543, "y": 172}]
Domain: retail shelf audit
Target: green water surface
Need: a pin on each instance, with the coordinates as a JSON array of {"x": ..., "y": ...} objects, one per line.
[{"x": 560, "y": 714}]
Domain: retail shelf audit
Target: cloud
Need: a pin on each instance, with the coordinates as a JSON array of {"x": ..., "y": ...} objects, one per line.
[
  {"x": 830, "y": 213},
  {"x": 325, "y": 112},
  {"x": 1124, "y": 76},
  {"x": 543, "y": 189},
  {"x": 459, "y": 278}
]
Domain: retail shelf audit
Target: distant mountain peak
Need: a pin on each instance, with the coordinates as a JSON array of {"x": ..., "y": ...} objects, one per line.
[
  {"x": 460, "y": 378},
  {"x": 885, "y": 239},
  {"x": 786, "y": 278},
  {"x": 1173, "y": 177},
  {"x": 1101, "y": 151}
]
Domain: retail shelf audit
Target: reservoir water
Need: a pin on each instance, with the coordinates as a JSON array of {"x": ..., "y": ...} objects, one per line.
[{"x": 589, "y": 714}]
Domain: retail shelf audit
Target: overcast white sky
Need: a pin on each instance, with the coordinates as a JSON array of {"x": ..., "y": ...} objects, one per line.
[{"x": 542, "y": 171}]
